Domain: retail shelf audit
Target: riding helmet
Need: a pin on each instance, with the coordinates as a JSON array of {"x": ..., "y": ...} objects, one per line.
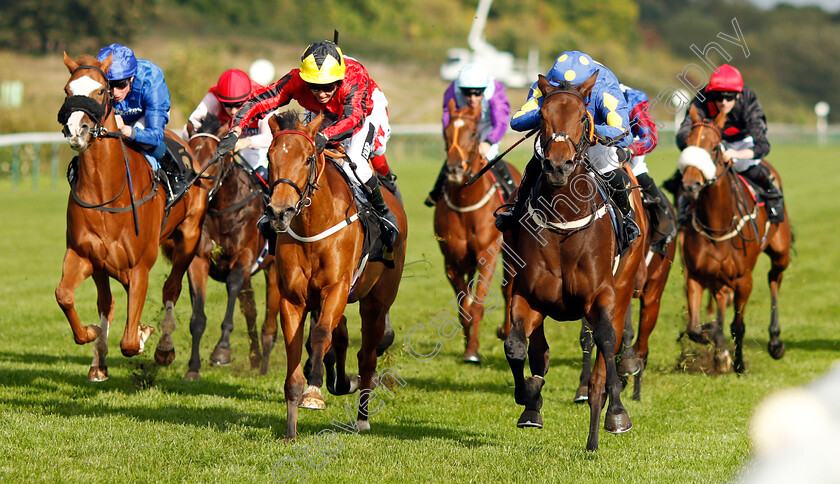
[
  {"x": 234, "y": 86},
  {"x": 573, "y": 66},
  {"x": 322, "y": 63},
  {"x": 123, "y": 65},
  {"x": 473, "y": 76},
  {"x": 726, "y": 78}
]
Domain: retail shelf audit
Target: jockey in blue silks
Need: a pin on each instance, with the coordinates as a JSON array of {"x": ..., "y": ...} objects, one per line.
[
  {"x": 141, "y": 104},
  {"x": 610, "y": 113}
]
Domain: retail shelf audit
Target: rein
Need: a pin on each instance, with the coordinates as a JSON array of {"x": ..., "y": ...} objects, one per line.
[
  {"x": 586, "y": 140},
  {"x": 252, "y": 193},
  {"x": 466, "y": 158},
  {"x": 304, "y": 194}
]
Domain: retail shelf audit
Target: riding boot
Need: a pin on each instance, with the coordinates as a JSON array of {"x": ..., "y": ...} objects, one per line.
[
  {"x": 683, "y": 211},
  {"x": 260, "y": 177},
  {"x": 387, "y": 221},
  {"x": 437, "y": 192},
  {"x": 774, "y": 203},
  {"x": 176, "y": 178},
  {"x": 507, "y": 219},
  {"x": 504, "y": 178},
  {"x": 664, "y": 229},
  {"x": 268, "y": 233},
  {"x": 674, "y": 183},
  {"x": 620, "y": 182}
]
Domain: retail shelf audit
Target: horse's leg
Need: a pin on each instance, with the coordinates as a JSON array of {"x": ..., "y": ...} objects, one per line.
[
  {"x": 197, "y": 275},
  {"x": 248, "y": 307},
  {"x": 649, "y": 305},
  {"x": 604, "y": 381},
  {"x": 507, "y": 292},
  {"x": 723, "y": 362},
  {"x": 135, "y": 334},
  {"x": 272, "y": 309},
  {"x": 586, "y": 345},
  {"x": 629, "y": 363},
  {"x": 387, "y": 337},
  {"x": 335, "y": 360},
  {"x": 458, "y": 281},
  {"x": 73, "y": 272},
  {"x": 743, "y": 288},
  {"x": 234, "y": 283},
  {"x": 333, "y": 302},
  {"x": 486, "y": 277},
  {"x": 185, "y": 239},
  {"x": 694, "y": 298},
  {"x": 105, "y": 304},
  {"x": 313, "y": 319},
  {"x": 372, "y": 310},
  {"x": 524, "y": 320},
  {"x": 779, "y": 251},
  {"x": 291, "y": 321}
]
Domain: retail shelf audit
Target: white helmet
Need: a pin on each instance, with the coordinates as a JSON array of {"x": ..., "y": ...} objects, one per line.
[{"x": 474, "y": 76}]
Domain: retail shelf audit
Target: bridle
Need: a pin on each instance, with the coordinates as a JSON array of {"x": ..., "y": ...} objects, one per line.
[
  {"x": 304, "y": 194},
  {"x": 586, "y": 140},
  {"x": 98, "y": 112},
  {"x": 717, "y": 151},
  {"x": 466, "y": 158}
]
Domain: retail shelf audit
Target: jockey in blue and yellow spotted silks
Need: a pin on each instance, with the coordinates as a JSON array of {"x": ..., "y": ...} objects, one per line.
[{"x": 610, "y": 113}]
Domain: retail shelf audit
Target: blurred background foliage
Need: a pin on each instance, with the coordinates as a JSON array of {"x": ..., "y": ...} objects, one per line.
[{"x": 794, "y": 56}]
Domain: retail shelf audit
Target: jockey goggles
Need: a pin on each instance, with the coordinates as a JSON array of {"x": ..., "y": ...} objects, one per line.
[
  {"x": 233, "y": 105},
  {"x": 723, "y": 95},
  {"x": 119, "y": 83},
  {"x": 323, "y": 87},
  {"x": 472, "y": 91}
]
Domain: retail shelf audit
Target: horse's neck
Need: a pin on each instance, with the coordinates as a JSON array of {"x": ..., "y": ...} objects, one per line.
[
  {"x": 716, "y": 205},
  {"x": 572, "y": 201},
  {"x": 102, "y": 166},
  {"x": 329, "y": 204},
  {"x": 464, "y": 194}
]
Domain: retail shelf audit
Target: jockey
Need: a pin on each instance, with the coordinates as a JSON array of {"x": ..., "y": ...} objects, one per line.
[
  {"x": 224, "y": 100},
  {"x": 141, "y": 104},
  {"x": 610, "y": 114},
  {"x": 475, "y": 87},
  {"x": 645, "y": 139},
  {"x": 355, "y": 115},
  {"x": 744, "y": 134}
]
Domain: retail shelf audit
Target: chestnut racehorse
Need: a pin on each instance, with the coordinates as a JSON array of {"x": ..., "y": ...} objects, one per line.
[
  {"x": 572, "y": 268},
  {"x": 464, "y": 225},
  {"x": 116, "y": 220},
  {"x": 725, "y": 234},
  {"x": 319, "y": 246},
  {"x": 228, "y": 249}
]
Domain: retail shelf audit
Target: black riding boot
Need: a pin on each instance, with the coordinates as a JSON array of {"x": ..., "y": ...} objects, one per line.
[
  {"x": 773, "y": 200},
  {"x": 260, "y": 177},
  {"x": 387, "y": 221},
  {"x": 504, "y": 178},
  {"x": 175, "y": 178},
  {"x": 620, "y": 183},
  {"x": 437, "y": 190},
  {"x": 663, "y": 225},
  {"x": 673, "y": 184},
  {"x": 507, "y": 219}
]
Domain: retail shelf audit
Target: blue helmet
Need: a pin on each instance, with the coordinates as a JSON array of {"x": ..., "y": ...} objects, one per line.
[
  {"x": 572, "y": 66},
  {"x": 124, "y": 64}
]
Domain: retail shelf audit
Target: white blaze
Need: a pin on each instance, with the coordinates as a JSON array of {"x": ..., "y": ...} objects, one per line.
[{"x": 84, "y": 86}]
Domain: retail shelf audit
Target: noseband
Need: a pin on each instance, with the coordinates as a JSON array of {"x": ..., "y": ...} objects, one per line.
[
  {"x": 466, "y": 158},
  {"x": 717, "y": 151},
  {"x": 98, "y": 112},
  {"x": 586, "y": 140},
  {"x": 305, "y": 194}
]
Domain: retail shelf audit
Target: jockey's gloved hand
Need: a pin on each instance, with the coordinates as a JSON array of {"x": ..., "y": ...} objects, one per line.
[
  {"x": 624, "y": 154},
  {"x": 320, "y": 142},
  {"x": 227, "y": 144}
]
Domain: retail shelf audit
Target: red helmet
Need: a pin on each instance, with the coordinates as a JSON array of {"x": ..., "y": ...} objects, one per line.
[
  {"x": 234, "y": 86},
  {"x": 726, "y": 78}
]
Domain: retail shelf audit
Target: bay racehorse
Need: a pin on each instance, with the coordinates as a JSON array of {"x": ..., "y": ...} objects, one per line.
[
  {"x": 650, "y": 284},
  {"x": 572, "y": 267},
  {"x": 319, "y": 246},
  {"x": 725, "y": 233},
  {"x": 229, "y": 249},
  {"x": 464, "y": 226},
  {"x": 116, "y": 220}
]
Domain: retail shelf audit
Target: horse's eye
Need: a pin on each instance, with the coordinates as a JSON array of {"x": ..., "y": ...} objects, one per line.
[{"x": 101, "y": 92}]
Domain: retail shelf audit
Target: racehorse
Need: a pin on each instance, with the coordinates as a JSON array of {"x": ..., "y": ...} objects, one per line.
[
  {"x": 229, "y": 248},
  {"x": 726, "y": 232},
  {"x": 572, "y": 267},
  {"x": 319, "y": 246},
  {"x": 464, "y": 225},
  {"x": 650, "y": 283},
  {"x": 116, "y": 220}
]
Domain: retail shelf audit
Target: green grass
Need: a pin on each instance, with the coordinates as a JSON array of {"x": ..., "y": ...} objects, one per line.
[{"x": 450, "y": 422}]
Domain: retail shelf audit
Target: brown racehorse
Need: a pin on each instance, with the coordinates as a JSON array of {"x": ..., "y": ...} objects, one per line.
[
  {"x": 228, "y": 249},
  {"x": 725, "y": 234},
  {"x": 650, "y": 283},
  {"x": 116, "y": 221},
  {"x": 464, "y": 225},
  {"x": 572, "y": 269},
  {"x": 316, "y": 260}
]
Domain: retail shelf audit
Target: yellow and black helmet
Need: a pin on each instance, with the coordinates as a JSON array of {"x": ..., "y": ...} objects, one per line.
[{"x": 322, "y": 63}]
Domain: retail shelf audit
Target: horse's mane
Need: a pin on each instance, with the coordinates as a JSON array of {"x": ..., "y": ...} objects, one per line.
[
  {"x": 286, "y": 120},
  {"x": 565, "y": 86},
  {"x": 209, "y": 124}
]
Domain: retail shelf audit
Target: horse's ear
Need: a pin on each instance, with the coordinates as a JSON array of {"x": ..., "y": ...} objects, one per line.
[
  {"x": 70, "y": 63},
  {"x": 106, "y": 64},
  {"x": 693, "y": 114},
  {"x": 720, "y": 120},
  {"x": 543, "y": 85},
  {"x": 452, "y": 107},
  {"x": 586, "y": 86},
  {"x": 272, "y": 123}
]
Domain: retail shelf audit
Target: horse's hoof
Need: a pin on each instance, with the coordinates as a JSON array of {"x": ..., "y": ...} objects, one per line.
[
  {"x": 500, "y": 333},
  {"x": 164, "y": 357},
  {"x": 777, "y": 351},
  {"x": 472, "y": 357},
  {"x": 256, "y": 360},
  {"x": 220, "y": 356},
  {"x": 355, "y": 382},
  {"x": 143, "y": 332},
  {"x": 582, "y": 394},
  {"x": 530, "y": 418},
  {"x": 192, "y": 376},
  {"x": 698, "y": 337},
  {"x": 629, "y": 366},
  {"x": 97, "y": 374},
  {"x": 312, "y": 399},
  {"x": 363, "y": 425},
  {"x": 723, "y": 362},
  {"x": 617, "y": 423}
]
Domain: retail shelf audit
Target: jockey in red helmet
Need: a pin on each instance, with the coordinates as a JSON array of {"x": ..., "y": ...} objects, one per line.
[
  {"x": 224, "y": 99},
  {"x": 744, "y": 134}
]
